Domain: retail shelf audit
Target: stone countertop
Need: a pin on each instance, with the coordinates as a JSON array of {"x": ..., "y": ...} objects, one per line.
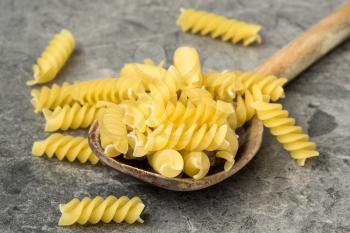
[{"x": 270, "y": 195}]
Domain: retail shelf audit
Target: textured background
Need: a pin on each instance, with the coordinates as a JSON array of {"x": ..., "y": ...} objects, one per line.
[{"x": 271, "y": 194}]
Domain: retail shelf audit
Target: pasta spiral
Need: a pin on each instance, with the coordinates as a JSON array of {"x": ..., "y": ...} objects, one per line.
[
  {"x": 269, "y": 85},
  {"x": 51, "y": 97},
  {"x": 98, "y": 209},
  {"x": 65, "y": 146},
  {"x": 206, "y": 112},
  {"x": 197, "y": 164},
  {"x": 53, "y": 58},
  {"x": 113, "y": 133},
  {"x": 218, "y": 26},
  {"x": 187, "y": 62},
  {"x": 69, "y": 117},
  {"x": 168, "y": 163},
  {"x": 195, "y": 138},
  {"x": 243, "y": 111},
  {"x": 107, "y": 89},
  {"x": 287, "y": 133},
  {"x": 223, "y": 84}
]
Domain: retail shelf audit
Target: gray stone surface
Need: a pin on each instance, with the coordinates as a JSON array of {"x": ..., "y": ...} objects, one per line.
[{"x": 271, "y": 194}]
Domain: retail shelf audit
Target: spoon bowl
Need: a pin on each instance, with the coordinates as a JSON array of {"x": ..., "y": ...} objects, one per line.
[{"x": 139, "y": 169}]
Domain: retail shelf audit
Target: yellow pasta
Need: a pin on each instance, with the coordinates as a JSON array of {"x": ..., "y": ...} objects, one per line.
[
  {"x": 206, "y": 112},
  {"x": 218, "y": 26},
  {"x": 194, "y": 138},
  {"x": 69, "y": 117},
  {"x": 53, "y": 58},
  {"x": 223, "y": 84},
  {"x": 187, "y": 62},
  {"x": 95, "y": 210},
  {"x": 113, "y": 133},
  {"x": 230, "y": 152},
  {"x": 243, "y": 111},
  {"x": 107, "y": 89},
  {"x": 168, "y": 163},
  {"x": 145, "y": 72},
  {"x": 65, "y": 146},
  {"x": 287, "y": 133},
  {"x": 197, "y": 164},
  {"x": 51, "y": 97}
]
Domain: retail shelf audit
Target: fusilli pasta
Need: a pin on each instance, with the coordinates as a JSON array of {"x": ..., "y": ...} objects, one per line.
[
  {"x": 107, "y": 89},
  {"x": 98, "y": 209},
  {"x": 218, "y": 26},
  {"x": 65, "y": 146},
  {"x": 187, "y": 62},
  {"x": 197, "y": 164},
  {"x": 113, "y": 133},
  {"x": 194, "y": 138},
  {"x": 51, "y": 97},
  {"x": 168, "y": 163},
  {"x": 223, "y": 84},
  {"x": 206, "y": 112},
  {"x": 287, "y": 133},
  {"x": 69, "y": 117},
  {"x": 53, "y": 58}
]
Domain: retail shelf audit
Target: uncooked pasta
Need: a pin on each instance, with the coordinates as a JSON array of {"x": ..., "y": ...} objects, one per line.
[
  {"x": 53, "y": 58},
  {"x": 65, "y": 146},
  {"x": 98, "y": 209},
  {"x": 205, "y": 23}
]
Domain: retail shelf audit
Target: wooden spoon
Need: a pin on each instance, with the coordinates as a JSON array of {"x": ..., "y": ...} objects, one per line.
[{"x": 290, "y": 61}]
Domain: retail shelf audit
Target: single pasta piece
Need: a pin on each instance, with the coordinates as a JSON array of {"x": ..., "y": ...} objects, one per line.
[
  {"x": 219, "y": 26},
  {"x": 229, "y": 153},
  {"x": 197, "y": 164},
  {"x": 168, "y": 163},
  {"x": 196, "y": 96},
  {"x": 223, "y": 85},
  {"x": 287, "y": 133},
  {"x": 187, "y": 62},
  {"x": 194, "y": 138},
  {"x": 185, "y": 112},
  {"x": 113, "y": 132},
  {"x": 69, "y": 117},
  {"x": 107, "y": 89},
  {"x": 98, "y": 209},
  {"x": 51, "y": 97},
  {"x": 65, "y": 146},
  {"x": 53, "y": 58}
]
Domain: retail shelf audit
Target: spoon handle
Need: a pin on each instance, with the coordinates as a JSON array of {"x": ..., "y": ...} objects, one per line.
[{"x": 310, "y": 46}]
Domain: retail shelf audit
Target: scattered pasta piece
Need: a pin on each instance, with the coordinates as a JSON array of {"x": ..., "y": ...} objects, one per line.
[
  {"x": 69, "y": 117},
  {"x": 168, "y": 163},
  {"x": 65, "y": 146},
  {"x": 53, "y": 58},
  {"x": 197, "y": 164},
  {"x": 98, "y": 209},
  {"x": 218, "y": 26},
  {"x": 51, "y": 97}
]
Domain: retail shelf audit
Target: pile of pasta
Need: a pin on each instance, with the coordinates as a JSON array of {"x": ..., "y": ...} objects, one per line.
[{"x": 178, "y": 119}]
